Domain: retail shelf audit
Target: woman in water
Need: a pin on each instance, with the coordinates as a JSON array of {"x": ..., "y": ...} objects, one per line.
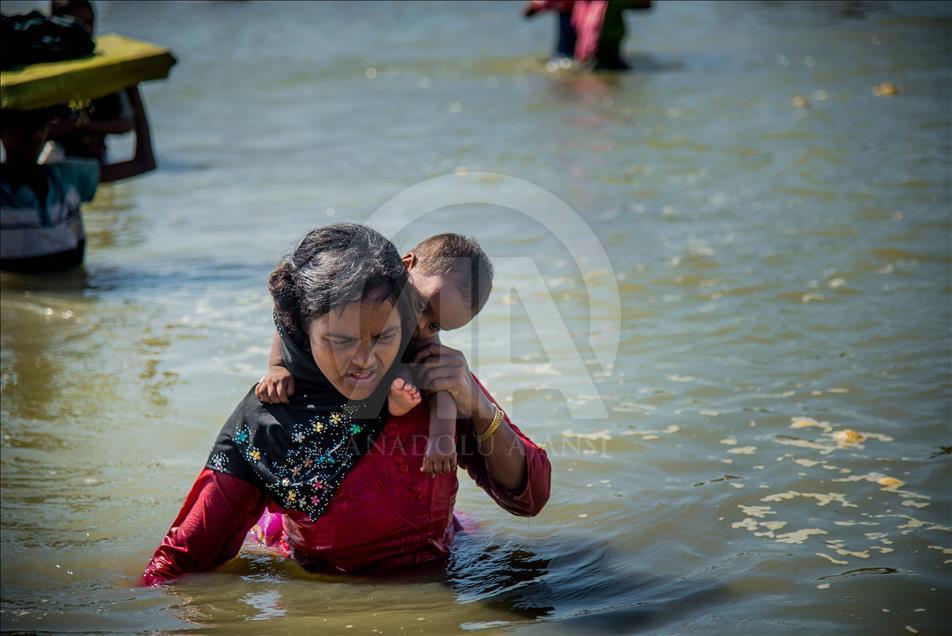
[{"x": 342, "y": 470}]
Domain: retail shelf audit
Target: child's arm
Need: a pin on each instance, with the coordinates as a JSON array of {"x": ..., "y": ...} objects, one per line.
[
  {"x": 441, "y": 443},
  {"x": 143, "y": 160},
  {"x": 274, "y": 358},
  {"x": 277, "y": 385}
]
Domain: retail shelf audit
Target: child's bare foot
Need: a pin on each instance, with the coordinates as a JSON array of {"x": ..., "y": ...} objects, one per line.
[
  {"x": 440, "y": 455},
  {"x": 403, "y": 397}
]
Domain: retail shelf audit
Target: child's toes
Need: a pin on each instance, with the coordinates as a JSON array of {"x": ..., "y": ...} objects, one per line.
[
  {"x": 411, "y": 394},
  {"x": 398, "y": 384}
]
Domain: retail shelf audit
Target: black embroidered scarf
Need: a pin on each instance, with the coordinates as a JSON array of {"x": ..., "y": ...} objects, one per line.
[{"x": 298, "y": 453}]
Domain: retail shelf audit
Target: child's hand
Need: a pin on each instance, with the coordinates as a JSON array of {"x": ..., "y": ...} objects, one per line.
[
  {"x": 276, "y": 386},
  {"x": 440, "y": 455}
]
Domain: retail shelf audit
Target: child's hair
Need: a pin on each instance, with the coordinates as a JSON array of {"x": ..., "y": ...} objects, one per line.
[{"x": 462, "y": 261}]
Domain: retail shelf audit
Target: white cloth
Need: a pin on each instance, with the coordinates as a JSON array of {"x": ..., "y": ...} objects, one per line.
[{"x": 28, "y": 229}]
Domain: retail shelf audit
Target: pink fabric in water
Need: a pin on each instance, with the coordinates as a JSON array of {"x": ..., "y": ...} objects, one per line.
[
  {"x": 269, "y": 530},
  {"x": 587, "y": 18}
]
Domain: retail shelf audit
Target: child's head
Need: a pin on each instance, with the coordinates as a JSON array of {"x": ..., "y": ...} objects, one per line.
[
  {"x": 453, "y": 277},
  {"x": 82, "y": 10},
  {"x": 23, "y": 133}
]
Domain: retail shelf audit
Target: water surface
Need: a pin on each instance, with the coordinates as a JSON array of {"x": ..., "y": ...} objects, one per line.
[{"x": 783, "y": 275}]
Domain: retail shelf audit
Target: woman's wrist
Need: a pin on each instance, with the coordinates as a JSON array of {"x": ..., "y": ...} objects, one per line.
[{"x": 483, "y": 412}]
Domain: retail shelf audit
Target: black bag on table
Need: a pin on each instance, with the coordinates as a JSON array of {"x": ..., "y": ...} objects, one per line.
[{"x": 36, "y": 37}]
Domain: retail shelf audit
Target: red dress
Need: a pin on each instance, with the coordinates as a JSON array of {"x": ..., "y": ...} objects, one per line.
[{"x": 385, "y": 514}]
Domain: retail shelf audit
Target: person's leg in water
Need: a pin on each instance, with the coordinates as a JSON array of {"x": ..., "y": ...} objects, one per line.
[
  {"x": 565, "y": 46},
  {"x": 608, "y": 55}
]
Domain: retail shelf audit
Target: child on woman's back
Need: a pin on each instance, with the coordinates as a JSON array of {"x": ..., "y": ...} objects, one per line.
[{"x": 452, "y": 278}]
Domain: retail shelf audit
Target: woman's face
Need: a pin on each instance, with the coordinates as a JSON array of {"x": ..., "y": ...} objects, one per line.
[{"x": 354, "y": 346}]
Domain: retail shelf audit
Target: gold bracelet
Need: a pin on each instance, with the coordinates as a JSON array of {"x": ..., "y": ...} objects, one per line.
[{"x": 497, "y": 420}]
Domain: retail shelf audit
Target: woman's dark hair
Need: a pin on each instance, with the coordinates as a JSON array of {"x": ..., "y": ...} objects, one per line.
[{"x": 334, "y": 266}]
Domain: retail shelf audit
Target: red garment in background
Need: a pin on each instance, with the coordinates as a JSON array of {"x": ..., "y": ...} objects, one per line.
[
  {"x": 386, "y": 513},
  {"x": 587, "y": 18},
  {"x": 560, "y": 6}
]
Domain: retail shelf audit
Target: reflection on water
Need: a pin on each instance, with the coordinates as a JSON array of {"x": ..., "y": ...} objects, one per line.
[
  {"x": 576, "y": 581},
  {"x": 775, "y": 456}
]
